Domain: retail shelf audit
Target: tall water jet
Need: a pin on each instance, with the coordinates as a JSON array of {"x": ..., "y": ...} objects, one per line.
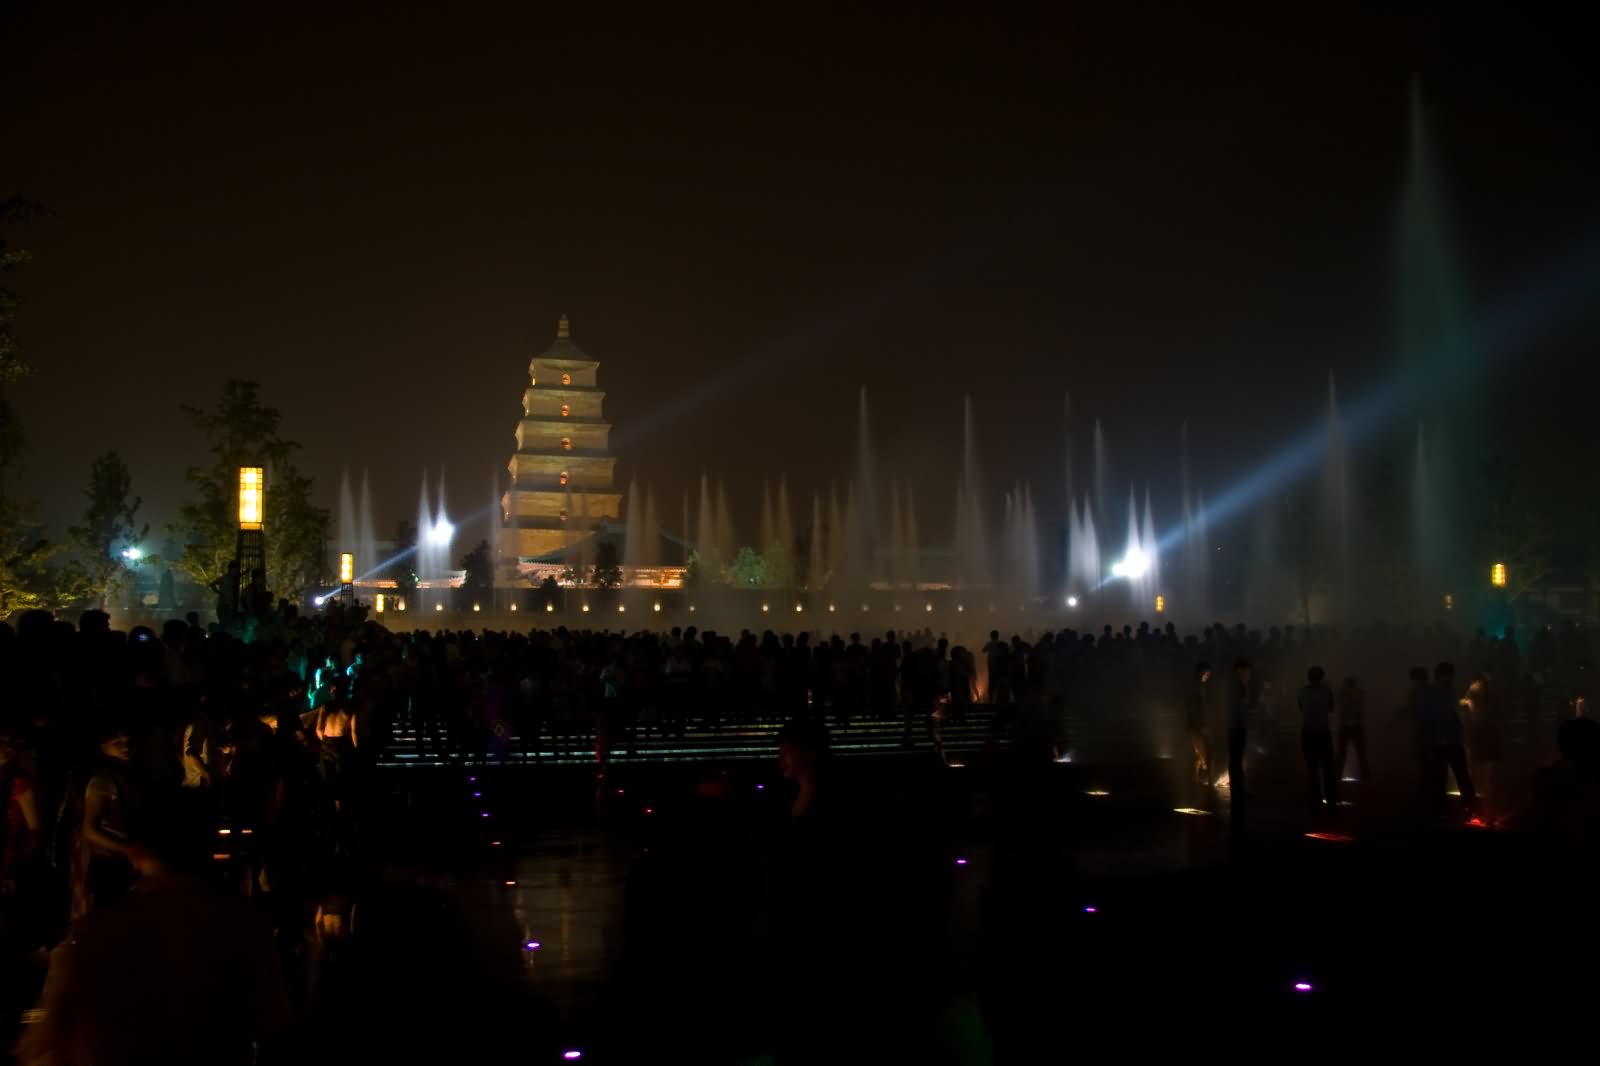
[
  {"x": 349, "y": 524},
  {"x": 1150, "y": 545},
  {"x": 781, "y": 550},
  {"x": 1437, "y": 350},
  {"x": 896, "y": 541},
  {"x": 769, "y": 537},
  {"x": 632, "y": 531},
  {"x": 725, "y": 536},
  {"x": 1101, "y": 474},
  {"x": 911, "y": 549},
  {"x": 855, "y": 568},
  {"x": 817, "y": 558},
  {"x": 836, "y": 539},
  {"x": 1083, "y": 560},
  {"x": 1022, "y": 545},
  {"x": 366, "y": 536},
  {"x": 866, "y": 483},
  {"x": 972, "y": 550},
  {"x": 705, "y": 537},
  {"x": 434, "y": 536},
  {"x": 650, "y": 535},
  {"x": 1066, "y": 434}
]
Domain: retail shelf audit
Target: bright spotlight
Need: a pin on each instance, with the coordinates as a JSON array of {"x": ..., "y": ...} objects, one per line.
[
  {"x": 1072, "y": 601},
  {"x": 318, "y": 600},
  {"x": 1132, "y": 566},
  {"x": 442, "y": 532},
  {"x": 133, "y": 555}
]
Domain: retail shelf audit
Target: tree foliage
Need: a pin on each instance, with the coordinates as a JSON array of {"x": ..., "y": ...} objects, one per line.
[
  {"x": 242, "y": 431},
  {"x": 26, "y": 581},
  {"x": 110, "y": 524},
  {"x": 748, "y": 570},
  {"x": 479, "y": 567}
]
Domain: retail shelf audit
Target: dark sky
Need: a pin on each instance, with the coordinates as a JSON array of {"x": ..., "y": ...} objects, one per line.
[{"x": 379, "y": 213}]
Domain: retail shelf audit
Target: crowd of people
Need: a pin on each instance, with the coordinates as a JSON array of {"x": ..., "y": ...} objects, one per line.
[{"x": 147, "y": 757}]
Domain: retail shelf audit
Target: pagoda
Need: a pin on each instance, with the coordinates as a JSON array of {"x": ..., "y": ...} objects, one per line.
[{"x": 562, "y": 490}]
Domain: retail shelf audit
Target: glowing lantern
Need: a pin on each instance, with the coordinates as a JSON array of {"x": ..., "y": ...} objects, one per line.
[
  {"x": 378, "y": 603},
  {"x": 347, "y": 567},
  {"x": 252, "y": 496},
  {"x": 1161, "y": 604},
  {"x": 1498, "y": 575}
]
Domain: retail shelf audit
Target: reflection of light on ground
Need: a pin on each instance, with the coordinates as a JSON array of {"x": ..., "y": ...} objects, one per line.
[
  {"x": 1190, "y": 810},
  {"x": 1452, "y": 792},
  {"x": 1340, "y": 838},
  {"x": 1349, "y": 780},
  {"x": 1095, "y": 792},
  {"x": 1346, "y": 803}
]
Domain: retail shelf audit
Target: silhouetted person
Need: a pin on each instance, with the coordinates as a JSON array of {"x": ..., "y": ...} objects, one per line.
[
  {"x": 1441, "y": 727},
  {"x": 1316, "y": 739},
  {"x": 1567, "y": 794},
  {"x": 105, "y": 857},
  {"x": 1242, "y": 701},
  {"x": 1197, "y": 711},
  {"x": 176, "y": 974},
  {"x": 1352, "y": 728},
  {"x": 1485, "y": 744}
]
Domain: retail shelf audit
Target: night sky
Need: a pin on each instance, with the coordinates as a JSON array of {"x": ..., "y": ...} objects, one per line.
[{"x": 749, "y": 215}]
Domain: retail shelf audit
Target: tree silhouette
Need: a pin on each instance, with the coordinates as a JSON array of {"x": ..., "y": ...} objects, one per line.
[
  {"x": 108, "y": 527},
  {"x": 479, "y": 567},
  {"x": 242, "y": 431}
]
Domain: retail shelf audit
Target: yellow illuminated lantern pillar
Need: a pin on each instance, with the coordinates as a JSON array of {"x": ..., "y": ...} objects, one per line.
[
  {"x": 1498, "y": 575},
  {"x": 250, "y": 550},
  {"x": 347, "y": 574}
]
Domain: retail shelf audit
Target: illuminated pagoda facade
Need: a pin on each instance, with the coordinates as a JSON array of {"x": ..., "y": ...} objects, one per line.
[{"x": 563, "y": 502}]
